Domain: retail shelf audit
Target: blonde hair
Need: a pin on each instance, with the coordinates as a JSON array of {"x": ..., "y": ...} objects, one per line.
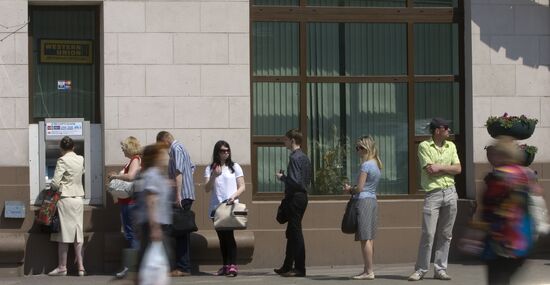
[
  {"x": 131, "y": 145},
  {"x": 371, "y": 152}
]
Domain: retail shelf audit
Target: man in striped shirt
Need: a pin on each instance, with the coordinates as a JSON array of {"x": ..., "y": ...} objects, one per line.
[{"x": 180, "y": 170}]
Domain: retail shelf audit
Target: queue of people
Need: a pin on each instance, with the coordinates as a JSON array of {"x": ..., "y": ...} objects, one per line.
[{"x": 163, "y": 175}]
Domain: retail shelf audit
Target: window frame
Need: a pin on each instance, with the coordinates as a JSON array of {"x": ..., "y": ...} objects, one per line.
[{"x": 408, "y": 15}]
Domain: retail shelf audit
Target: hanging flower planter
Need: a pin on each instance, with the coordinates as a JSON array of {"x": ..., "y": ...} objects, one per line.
[
  {"x": 517, "y": 127},
  {"x": 530, "y": 152}
]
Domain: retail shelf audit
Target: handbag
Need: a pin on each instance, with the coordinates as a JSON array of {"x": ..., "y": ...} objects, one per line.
[
  {"x": 120, "y": 188},
  {"x": 155, "y": 266},
  {"x": 183, "y": 222},
  {"x": 539, "y": 213},
  {"x": 282, "y": 216},
  {"x": 48, "y": 209},
  {"x": 349, "y": 221},
  {"x": 232, "y": 216}
]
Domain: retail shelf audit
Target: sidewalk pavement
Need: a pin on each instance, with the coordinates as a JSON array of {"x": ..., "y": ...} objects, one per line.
[{"x": 534, "y": 272}]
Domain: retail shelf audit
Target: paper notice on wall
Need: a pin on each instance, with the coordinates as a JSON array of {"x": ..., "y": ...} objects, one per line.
[{"x": 64, "y": 85}]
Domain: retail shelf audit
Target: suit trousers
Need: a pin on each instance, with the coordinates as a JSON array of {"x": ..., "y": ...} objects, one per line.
[{"x": 295, "y": 255}]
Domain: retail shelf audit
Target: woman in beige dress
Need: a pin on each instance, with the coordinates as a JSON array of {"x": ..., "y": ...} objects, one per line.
[{"x": 68, "y": 181}]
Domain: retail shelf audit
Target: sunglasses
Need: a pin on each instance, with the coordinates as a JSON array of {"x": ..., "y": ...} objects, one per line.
[
  {"x": 224, "y": 151},
  {"x": 358, "y": 148}
]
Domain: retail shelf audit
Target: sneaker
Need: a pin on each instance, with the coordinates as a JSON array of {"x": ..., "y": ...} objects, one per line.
[
  {"x": 416, "y": 276},
  {"x": 122, "y": 273},
  {"x": 81, "y": 272},
  {"x": 442, "y": 275},
  {"x": 232, "y": 271},
  {"x": 222, "y": 271},
  {"x": 364, "y": 276}
]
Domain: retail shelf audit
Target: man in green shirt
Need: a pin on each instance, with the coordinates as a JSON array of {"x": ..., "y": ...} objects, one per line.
[{"x": 439, "y": 164}]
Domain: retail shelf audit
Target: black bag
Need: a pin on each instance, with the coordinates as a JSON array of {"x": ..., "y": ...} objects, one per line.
[
  {"x": 349, "y": 221},
  {"x": 282, "y": 216},
  {"x": 183, "y": 222}
]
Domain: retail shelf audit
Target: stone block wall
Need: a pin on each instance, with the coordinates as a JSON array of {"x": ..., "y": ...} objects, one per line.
[{"x": 181, "y": 66}]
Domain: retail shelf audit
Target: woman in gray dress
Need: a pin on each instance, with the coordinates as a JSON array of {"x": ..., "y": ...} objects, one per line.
[
  {"x": 68, "y": 181},
  {"x": 365, "y": 192}
]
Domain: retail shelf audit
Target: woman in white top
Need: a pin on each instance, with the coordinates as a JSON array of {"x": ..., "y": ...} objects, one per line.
[{"x": 225, "y": 179}]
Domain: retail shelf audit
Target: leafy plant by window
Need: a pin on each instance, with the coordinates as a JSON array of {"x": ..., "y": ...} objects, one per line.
[{"x": 330, "y": 171}]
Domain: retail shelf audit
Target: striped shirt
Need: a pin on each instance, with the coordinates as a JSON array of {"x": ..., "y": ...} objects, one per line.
[{"x": 180, "y": 162}]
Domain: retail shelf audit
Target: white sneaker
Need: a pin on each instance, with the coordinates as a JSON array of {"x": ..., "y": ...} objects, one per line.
[
  {"x": 416, "y": 276},
  {"x": 122, "y": 273},
  {"x": 442, "y": 275}
]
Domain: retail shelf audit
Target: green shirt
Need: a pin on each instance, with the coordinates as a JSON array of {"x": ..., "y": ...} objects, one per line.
[{"x": 429, "y": 153}]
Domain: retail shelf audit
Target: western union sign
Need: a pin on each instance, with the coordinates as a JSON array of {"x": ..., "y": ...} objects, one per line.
[{"x": 66, "y": 51}]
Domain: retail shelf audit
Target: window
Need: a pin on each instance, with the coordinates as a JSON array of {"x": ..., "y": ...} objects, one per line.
[
  {"x": 340, "y": 69},
  {"x": 64, "y": 85}
]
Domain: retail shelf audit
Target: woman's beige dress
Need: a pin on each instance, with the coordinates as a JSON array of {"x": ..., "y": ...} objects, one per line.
[{"x": 68, "y": 180}]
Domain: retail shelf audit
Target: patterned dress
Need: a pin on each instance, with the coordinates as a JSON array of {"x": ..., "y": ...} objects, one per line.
[{"x": 505, "y": 210}]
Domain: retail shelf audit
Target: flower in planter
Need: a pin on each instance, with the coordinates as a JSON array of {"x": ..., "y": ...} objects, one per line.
[
  {"x": 530, "y": 152},
  {"x": 507, "y": 121},
  {"x": 518, "y": 127},
  {"x": 530, "y": 149}
]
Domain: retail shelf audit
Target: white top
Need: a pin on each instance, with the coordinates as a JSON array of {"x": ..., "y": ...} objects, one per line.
[{"x": 224, "y": 185}]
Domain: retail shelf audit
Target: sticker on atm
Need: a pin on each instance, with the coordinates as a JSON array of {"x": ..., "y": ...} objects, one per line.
[{"x": 64, "y": 128}]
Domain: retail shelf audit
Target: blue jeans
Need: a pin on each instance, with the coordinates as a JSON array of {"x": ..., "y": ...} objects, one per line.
[
  {"x": 126, "y": 216},
  {"x": 183, "y": 260}
]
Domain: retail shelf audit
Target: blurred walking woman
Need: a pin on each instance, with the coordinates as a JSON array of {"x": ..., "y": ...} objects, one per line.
[
  {"x": 510, "y": 232},
  {"x": 365, "y": 192},
  {"x": 153, "y": 212},
  {"x": 225, "y": 179},
  {"x": 68, "y": 181}
]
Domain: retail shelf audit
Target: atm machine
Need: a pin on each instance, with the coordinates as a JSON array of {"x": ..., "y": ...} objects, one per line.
[{"x": 50, "y": 133}]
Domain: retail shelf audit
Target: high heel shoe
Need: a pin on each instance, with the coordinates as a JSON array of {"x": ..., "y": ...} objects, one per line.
[{"x": 57, "y": 272}]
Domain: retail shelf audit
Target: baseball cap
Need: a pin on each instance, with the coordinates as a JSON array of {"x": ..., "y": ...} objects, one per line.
[{"x": 438, "y": 122}]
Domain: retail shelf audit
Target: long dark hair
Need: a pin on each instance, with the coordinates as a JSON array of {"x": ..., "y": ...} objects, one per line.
[{"x": 216, "y": 156}]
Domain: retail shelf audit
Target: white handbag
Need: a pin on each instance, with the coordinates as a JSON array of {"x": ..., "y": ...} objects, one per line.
[
  {"x": 121, "y": 189},
  {"x": 154, "y": 266},
  {"x": 230, "y": 217}
]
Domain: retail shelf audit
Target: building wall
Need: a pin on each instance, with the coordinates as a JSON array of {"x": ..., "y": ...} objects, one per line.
[
  {"x": 511, "y": 67},
  {"x": 14, "y": 89},
  {"x": 181, "y": 66}
]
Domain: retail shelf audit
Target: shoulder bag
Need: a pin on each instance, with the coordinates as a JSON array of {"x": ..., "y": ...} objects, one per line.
[
  {"x": 349, "y": 221},
  {"x": 120, "y": 188},
  {"x": 47, "y": 216}
]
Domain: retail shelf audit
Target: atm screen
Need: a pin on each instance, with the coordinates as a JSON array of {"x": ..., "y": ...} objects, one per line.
[{"x": 50, "y": 170}]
